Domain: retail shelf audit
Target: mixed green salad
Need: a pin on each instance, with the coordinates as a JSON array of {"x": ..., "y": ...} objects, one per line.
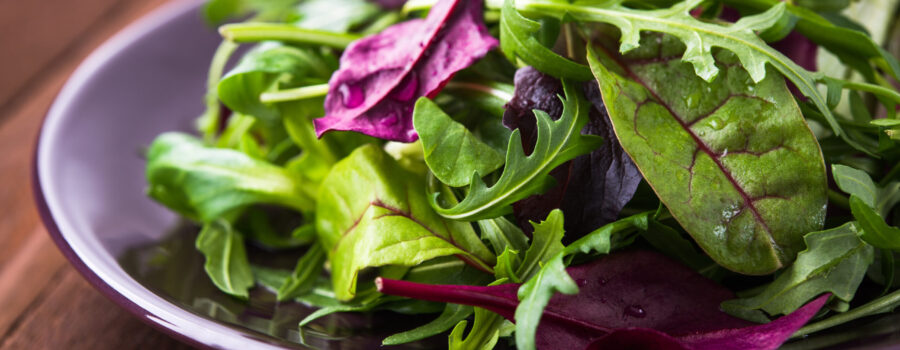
[{"x": 553, "y": 174}]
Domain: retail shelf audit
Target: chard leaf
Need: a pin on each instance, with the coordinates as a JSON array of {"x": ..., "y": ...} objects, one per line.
[
  {"x": 381, "y": 75},
  {"x": 835, "y": 261},
  {"x": 699, "y": 38},
  {"x": 226, "y": 258},
  {"x": 452, "y": 314},
  {"x": 592, "y": 188},
  {"x": 524, "y": 175},
  {"x": 302, "y": 280},
  {"x": 205, "y": 183},
  {"x": 452, "y": 153},
  {"x": 371, "y": 212},
  {"x": 637, "y": 291},
  {"x": 733, "y": 161},
  {"x": 518, "y": 41}
]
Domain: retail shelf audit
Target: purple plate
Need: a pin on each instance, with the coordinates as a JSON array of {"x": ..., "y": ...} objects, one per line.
[{"x": 89, "y": 185}]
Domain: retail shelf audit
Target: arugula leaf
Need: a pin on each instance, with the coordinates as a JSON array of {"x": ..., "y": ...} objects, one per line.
[
  {"x": 518, "y": 41},
  {"x": 700, "y": 37},
  {"x": 452, "y": 153},
  {"x": 308, "y": 268},
  {"x": 381, "y": 75},
  {"x": 204, "y": 183},
  {"x": 858, "y": 183},
  {"x": 452, "y": 314},
  {"x": 503, "y": 235},
  {"x": 835, "y": 261},
  {"x": 523, "y": 175},
  {"x": 735, "y": 162},
  {"x": 875, "y": 230},
  {"x": 371, "y": 212},
  {"x": 226, "y": 258}
]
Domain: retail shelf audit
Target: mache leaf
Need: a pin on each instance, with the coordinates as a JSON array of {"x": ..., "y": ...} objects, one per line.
[
  {"x": 226, "y": 258},
  {"x": 523, "y": 175},
  {"x": 371, "y": 212},
  {"x": 381, "y": 76},
  {"x": 733, "y": 161},
  {"x": 835, "y": 261},
  {"x": 205, "y": 183},
  {"x": 452, "y": 152}
]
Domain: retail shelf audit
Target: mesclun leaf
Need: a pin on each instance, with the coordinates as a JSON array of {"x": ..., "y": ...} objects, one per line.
[
  {"x": 452, "y": 314},
  {"x": 226, "y": 259},
  {"x": 524, "y": 175},
  {"x": 855, "y": 182},
  {"x": 205, "y": 183},
  {"x": 875, "y": 230},
  {"x": 334, "y": 15},
  {"x": 700, "y": 37},
  {"x": 625, "y": 292},
  {"x": 452, "y": 153},
  {"x": 592, "y": 188},
  {"x": 371, "y": 212},
  {"x": 381, "y": 75},
  {"x": 835, "y": 261},
  {"x": 518, "y": 41},
  {"x": 308, "y": 268},
  {"x": 733, "y": 161}
]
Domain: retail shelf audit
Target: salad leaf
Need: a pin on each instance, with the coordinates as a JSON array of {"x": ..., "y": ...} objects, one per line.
[
  {"x": 835, "y": 261},
  {"x": 858, "y": 184},
  {"x": 226, "y": 259},
  {"x": 337, "y": 16},
  {"x": 519, "y": 42},
  {"x": 523, "y": 175},
  {"x": 302, "y": 280},
  {"x": 371, "y": 212},
  {"x": 452, "y": 314},
  {"x": 205, "y": 183},
  {"x": 636, "y": 290},
  {"x": 452, "y": 152},
  {"x": 733, "y": 161},
  {"x": 875, "y": 230},
  {"x": 381, "y": 75}
]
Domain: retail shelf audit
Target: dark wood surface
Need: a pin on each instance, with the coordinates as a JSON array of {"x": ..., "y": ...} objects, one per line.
[{"x": 44, "y": 302}]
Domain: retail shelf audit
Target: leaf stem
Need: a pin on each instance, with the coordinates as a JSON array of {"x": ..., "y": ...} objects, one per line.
[
  {"x": 866, "y": 87},
  {"x": 300, "y": 93},
  {"x": 254, "y": 32},
  {"x": 498, "y": 91},
  {"x": 890, "y": 175},
  {"x": 209, "y": 121},
  {"x": 878, "y": 305}
]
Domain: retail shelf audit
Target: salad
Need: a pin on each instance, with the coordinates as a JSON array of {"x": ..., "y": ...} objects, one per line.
[{"x": 551, "y": 174}]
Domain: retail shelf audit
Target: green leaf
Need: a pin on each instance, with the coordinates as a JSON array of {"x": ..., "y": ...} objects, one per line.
[
  {"x": 700, "y": 37},
  {"x": 518, "y": 41},
  {"x": 733, "y": 161},
  {"x": 855, "y": 182},
  {"x": 205, "y": 183},
  {"x": 268, "y": 67},
  {"x": 557, "y": 142},
  {"x": 875, "y": 230},
  {"x": 217, "y": 11},
  {"x": 453, "y": 314},
  {"x": 337, "y": 16},
  {"x": 226, "y": 259},
  {"x": 835, "y": 261},
  {"x": 452, "y": 153},
  {"x": 546, "y": 243},
  {"x": 503, "y": 235},
  {"x": 302, "y": 280},
  {"x": 371, "y": 213}
]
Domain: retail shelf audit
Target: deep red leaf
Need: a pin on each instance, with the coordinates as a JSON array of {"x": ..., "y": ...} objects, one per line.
[{"x": 382, "y": 75}]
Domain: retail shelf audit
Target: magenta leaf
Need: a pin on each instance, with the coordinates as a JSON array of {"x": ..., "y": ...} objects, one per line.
[
  {"x": 632, "y": 299},
  {"x": 382, "y": 75}
]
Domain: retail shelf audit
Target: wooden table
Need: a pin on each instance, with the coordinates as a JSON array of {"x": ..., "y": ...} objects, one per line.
[{"x": 44, "y": 302}]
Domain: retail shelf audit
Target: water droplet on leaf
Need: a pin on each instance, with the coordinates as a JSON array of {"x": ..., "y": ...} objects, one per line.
[
  {"x": 716, "y": 123},
  {"x": 352, "y": 95},
  {"x": 581, "y": 282},
  {"x": 635, "y": 311},
  {"x": 407, "y": 88}
]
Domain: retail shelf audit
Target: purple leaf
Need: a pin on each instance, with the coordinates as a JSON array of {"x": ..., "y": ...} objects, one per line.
[
  {"x": 382, "y": 75},
  {"x": 591, "y": 189},
  {"x": 630, "y": 299}
]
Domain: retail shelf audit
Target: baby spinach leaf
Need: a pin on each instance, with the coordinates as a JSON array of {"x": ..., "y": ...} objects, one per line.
[
  {"x": 524, "y": 175},
  {"x": 205, "y": 183},
  {"x": 226, "y": 258},
  {"x": 452, "y": 153},
  {"x": 371, "y": 212},
  {"x": 733, "y": 161},
  {"x": 624, "y": 292},
  {"x": 518, "y": 42},
  {"x": 302, "y": 280},
  {"x": 835, "y": 261},
  {"x": 381, "y": 75},
  {"x": 452, "y": 314}
]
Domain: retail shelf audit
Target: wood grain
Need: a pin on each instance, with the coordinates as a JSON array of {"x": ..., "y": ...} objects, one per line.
[{"x": 44, "y": 302}]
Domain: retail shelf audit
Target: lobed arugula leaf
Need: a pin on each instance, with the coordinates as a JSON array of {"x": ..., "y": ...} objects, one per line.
[
  {"x": 371, "y": 212},
  {"x": 205, "y": 183},
  {"x": 524, "y": 175},
  {"x": 226, "y": 258},
  {"x": 518, "y": 42},
  {"x": 835, "y": 261},
  {"x": 452, "y": 152},
  {"x": 733, "y": 161}
]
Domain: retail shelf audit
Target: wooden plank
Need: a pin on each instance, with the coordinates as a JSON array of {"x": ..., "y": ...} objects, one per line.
[
  {"x": 75, "y": 316},
  {"x": 24, "y": 279}
]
